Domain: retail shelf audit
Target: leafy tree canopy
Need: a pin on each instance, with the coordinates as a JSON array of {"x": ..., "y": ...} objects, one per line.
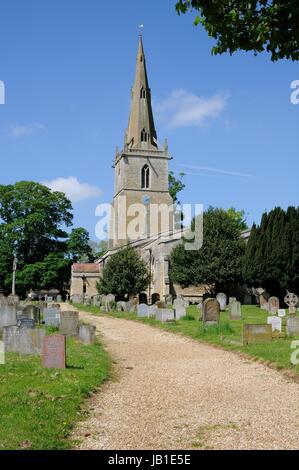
[
  {"x": 175, "y": 185},
  {"x": 256, "y": 25},
  {"x": 78, "y": 246},
  {"x": 219, "y": 260},
  {"x": 125, "y": 273}
]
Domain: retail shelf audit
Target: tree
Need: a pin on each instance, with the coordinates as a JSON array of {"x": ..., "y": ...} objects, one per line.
[
  {"x": 257, "y": 25},
  {"x": 175, "y": 186},
  {"x": 98, "y": 248},
  {"x": 272, "y": 254},
  {"x": 219, "y": 261},
  {"x": 78, "y": 246},
  {"x": 124, "y": 274}
]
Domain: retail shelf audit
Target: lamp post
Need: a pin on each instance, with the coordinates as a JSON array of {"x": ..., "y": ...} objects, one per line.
[{"x": 14, "y": 268}]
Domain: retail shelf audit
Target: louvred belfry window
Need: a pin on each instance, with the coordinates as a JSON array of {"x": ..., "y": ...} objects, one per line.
[{"x": 145, "y": 177}]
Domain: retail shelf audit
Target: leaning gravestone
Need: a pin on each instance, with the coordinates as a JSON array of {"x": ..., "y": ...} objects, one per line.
[
  {"x": 54, "y": 352},
  {"x": 274, "y": 305},
  {"x": 257, "y": 333},
  {"x": 87, "y": 334},
  {"x": 222, "y": 299},
  {"x": 210, "y": 312},
  {"x": 69, "y": 323},
  {"x": 142, "y": 310},
  {"x": 293, "y": 326},
  {"x": 164, "y": 314},
  {"x": 52, "y": 316},
  {"x": 275, "y": 322},
  {"x": 235, "y": 312}
]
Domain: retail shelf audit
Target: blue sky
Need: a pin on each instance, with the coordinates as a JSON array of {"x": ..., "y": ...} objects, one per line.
[{"x": 68, "y": 67}]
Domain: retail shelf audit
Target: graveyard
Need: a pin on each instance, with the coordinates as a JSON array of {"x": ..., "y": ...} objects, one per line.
[{"x": 274, "y": 351}]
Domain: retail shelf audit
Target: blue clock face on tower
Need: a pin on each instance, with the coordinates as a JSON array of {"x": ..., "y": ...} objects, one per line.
[{"x": 146, "y": 200}]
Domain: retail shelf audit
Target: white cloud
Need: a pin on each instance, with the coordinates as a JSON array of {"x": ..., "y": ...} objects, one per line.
[
  {"x": 26, "y": 130},
  {"x": 183, "y": 109},
  {"x": 73, "y": 189}
]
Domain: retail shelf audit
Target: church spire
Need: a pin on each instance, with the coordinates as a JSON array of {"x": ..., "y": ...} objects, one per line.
[{"x": 141, "y": 132}]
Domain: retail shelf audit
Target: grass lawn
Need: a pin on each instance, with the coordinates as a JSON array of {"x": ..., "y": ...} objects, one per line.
[
  {"x": 38, "y": 407},
  {"x": 227, "y": 335}
]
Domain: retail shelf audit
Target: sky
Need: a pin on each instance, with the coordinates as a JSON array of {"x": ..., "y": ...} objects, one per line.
[{"x": 68, "y": 68}]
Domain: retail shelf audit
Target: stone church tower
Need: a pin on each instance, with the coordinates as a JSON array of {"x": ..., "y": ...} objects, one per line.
[{"x": 141, "y": 172}]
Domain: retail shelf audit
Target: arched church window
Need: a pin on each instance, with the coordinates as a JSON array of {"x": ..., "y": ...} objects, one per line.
[
  {"x": 145, "y": 177},
  {"x": 144, "y": 136},
  {"x": 142, "y": 93}
]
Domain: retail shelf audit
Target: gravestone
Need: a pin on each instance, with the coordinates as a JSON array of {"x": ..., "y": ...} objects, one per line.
[
  {"x": 108, "y": 302},
  {"x": 164, "y": 314},
  {"x": 235, "y": 312},
  {"x": 8, "y": 315},
  {"x": 179, "y": 302},
  {"x": 232, "y": 299},
  {"x": 142, "y": 310},
  {"x": 264, "y": 301},
  {"x": 87, "y": 334},
  {"x": 293, "y": 326},
  {"x": 31, "y": 341},
  {"x": 77, "y": 299},
  {"x": 32, "y": 311},
  {"x": 96, "y": 300},
  {"x": 275, "y": 322},
  {"x": 11, "y": 338},
  {"x": 168, "y": 299},
  {"x": 54, "y": 352},
  {"x": 59, "y": 298},
  {"x": 222, "y": 299},
  {"x": 13, "y": 299},
  {"x": 87, "y": 300},
  {"x": 180, "y": 312},
  {"x": 52, "y": 316},
  {"x": 274, "y": 305},
  {"x": 50, "y": 298},
  {"x": 291, "y": 300},
  {"x": 247, "y": 299},
  {"x": 42, "y": 306},
  {"x": 121, "y": 306},
  {"x": 69, "y": 323},
  {"x": 152, "y": 310},
  {"x": 210, "y": 312},
  {"x": 25, "y": 322},
  {"x": 255, "y": 333},
  {"x": 281, "y": 312}
]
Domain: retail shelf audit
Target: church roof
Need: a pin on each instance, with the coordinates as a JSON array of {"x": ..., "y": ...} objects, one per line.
[
  {"x": 85, "y": 268},
  {"x": 141, "y": 133}
]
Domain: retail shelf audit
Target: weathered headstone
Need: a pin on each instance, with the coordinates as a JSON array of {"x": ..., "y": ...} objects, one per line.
[
  {"x": 96, "y": 300},
  {"x": 168, "y": 299},
  {"x": 52, "y": 316},
  {"x": 275, "y": 322},
  {"x": 222, "y": 299},
  {"x": 121, "y": 306},
  {"x": 87, "y": 334},
  {"x": 32, "y": 311},
  {"x": 293, "y": 326},
  {"x": 108, "y": 302},
  {"x": 11, "y": 338},
  {"x": 264, "y": 301},
  {"x": 69, "y": 323},
  {"x": 77, "y": 299},
  {"x": 87, "y": 300},
  {"x": 8, "y": 315},
  {"x": 291, "y": 300},
  {"x": 142, "y": 310},
  {"x": 180, "y": 312},
  {"x": 25, "y": 322},
  {"x": 235, "y": 311},
  {"x": 54, "y": 352},
  {"x": 273, "y": 304},
  {"x": 281, "y": 312},
  {"x": 59, "y": 298},
  {"x": 257, "y": 333},
  {"x": 50, "y": 298},
  {"x": 231, "y": 299},
  {"x": 164, "y": 314},
  {"x": 31, "y": 341},
  {"x": 210, "y": 312},
  {"x": 152, "y": 310}
]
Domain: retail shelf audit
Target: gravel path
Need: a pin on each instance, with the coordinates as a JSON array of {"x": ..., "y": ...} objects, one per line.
[{"x": 170, "y": 392}]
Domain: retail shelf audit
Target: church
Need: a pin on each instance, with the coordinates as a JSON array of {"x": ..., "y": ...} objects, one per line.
[{"x": 140, "y": 186}]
